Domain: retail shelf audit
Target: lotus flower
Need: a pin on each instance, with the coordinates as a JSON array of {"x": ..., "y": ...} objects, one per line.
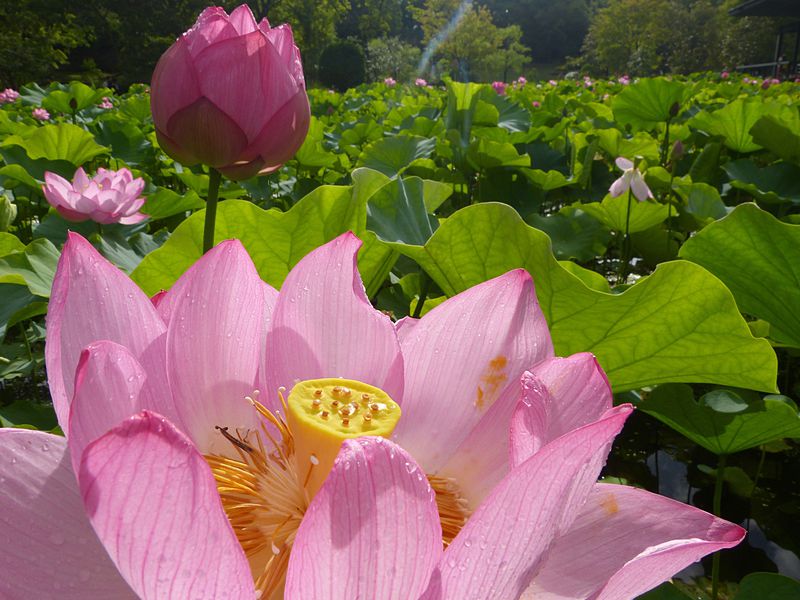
[
  {"x": 8, "y": 95},
  {"x": 521, "y": 81},
  {"x": 420, "y": 82},
  {"x": 106, "y": 104},
  {"x": 108, "y": 197},
  {"x": 487, "y": 489},
  {"x": 390, "y": 82},
  {"x": 499, "y": 87},
  {"x": 536, "y": 104},
  {"x": 230, "y": 93},
  {"x": 40, "y": 114},
  {"x": 631, "y": 179},
  {"x": 725, "y": 75}
]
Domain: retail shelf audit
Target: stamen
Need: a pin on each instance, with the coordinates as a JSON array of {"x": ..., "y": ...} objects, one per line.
[{"x": 236, "y": 442}]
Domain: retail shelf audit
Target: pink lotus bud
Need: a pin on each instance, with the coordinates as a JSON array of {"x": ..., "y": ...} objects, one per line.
[
  {"x": 536, "y": 104},
  {"x": 108, "y": 197},
  {"x": 624, "y": 80},
  {"x": 521, "y": 80},
  {"x": 725, "y": 75},
  {"x": 420, "y": 82},
  {"x": 499, "y": 87},
  {"x": 41, "y": 114},
  {"x": 553, "y": 82},
  {"x": 106, "y": 103},
  {"x": 390, "y": 82},
  {"x": 230, "y": 93}
]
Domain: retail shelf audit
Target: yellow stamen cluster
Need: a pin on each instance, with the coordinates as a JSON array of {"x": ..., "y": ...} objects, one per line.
[{"x": 453, "y": 508}]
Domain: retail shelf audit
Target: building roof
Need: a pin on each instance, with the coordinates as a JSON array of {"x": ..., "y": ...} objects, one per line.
[{"x": 767, "y": 8}]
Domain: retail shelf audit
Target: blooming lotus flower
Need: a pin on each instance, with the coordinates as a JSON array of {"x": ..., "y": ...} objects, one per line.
[
  {"x": 106, "y": 103},
  {"x": 230, "y": 94},
  {"x": 420, "y": 82},
  {"x": 40, "y": 114},
  {"x": 553, "y": 82},
  {"x": 8, "y": 95},
  {"x": 624, "y": 80},
  {"x": 536, "y": 104},
  {"x": 108, "y": 197},
  {"x": 725, "y": 75},
  {"x": 521, "y": 80},
  {"x": 499, "y": 87},
  {"x": 487, "y": 485},
  {"x": 631, "y": 179},
  {"x": 390, "y": 82}
]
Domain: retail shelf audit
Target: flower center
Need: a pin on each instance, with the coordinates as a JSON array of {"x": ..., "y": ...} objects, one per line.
[{"x": 281, "y": 466}]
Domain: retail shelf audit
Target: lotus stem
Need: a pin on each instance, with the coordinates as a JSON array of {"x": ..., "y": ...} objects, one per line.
[{"x": 215, "y": 177}]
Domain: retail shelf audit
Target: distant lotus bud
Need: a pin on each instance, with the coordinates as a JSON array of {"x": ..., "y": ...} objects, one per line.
[
  {"x": 108, "y": 197},
  {"x": 230, "y": 93},
  {"x": 553, "y": 82},
  {"x": 678, "y": 150},
  {"x": 390, "y": 82},
  {"x": 41, "y": 114},
  {"x": 8, "y": 212},
  {"x": 725, "y": 75},
  {"x": 536, "y": 104},
  {"x": 106, "y": 103},
  {"x": 521, "y": 80},
  {"x": 674, "y": 109},
  {"x": 499, "y": 87},
  {"x": 73, "y": 104},
  {"x": 624, "y": 80},
  {"x": 420, "y": 82}
]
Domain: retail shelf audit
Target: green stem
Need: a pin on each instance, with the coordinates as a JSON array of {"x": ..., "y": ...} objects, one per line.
[
  {"x": 665, "y": 146},
  {"x": 626, "y": 243},
  {"x": 215, "y": 177},
  {"x": 423, "y": 294},
  {"x": 28, "y": 350},
  {"x": 717, "y": 510}
]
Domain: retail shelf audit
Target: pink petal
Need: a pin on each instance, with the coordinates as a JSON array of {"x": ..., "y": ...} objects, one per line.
[
  {"x": 625, "y": 542},
  {"x": 213, "y": 344},
  {"x": 461, "y": 358},
  {"x": 576, "y": 393},
  {"x": 623, "y": 163},
  {"x": 242, "y": 19},
  {"x": 620, "y": 186},
  {"x": 48, "y": 548},
  {"x": 639, "y": 187},
  {"x": 107, "y": 385},
  {"x": 174, "y": 84},
  {"x": 505, "y": 541},
  {"x": 93, "y": 300},
  {"x": 152, "y": 500},
  {"x": 372, "y": 531},
  {"x": 324, "y": 325},
  {"x": 246, "y": 79}
]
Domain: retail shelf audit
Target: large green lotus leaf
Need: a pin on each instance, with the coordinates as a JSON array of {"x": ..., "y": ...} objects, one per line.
[
  {"x": 679, "y": 324},
  {"x": 613, "y": 142},
  {"x": 779, "y": 135},
  {"x": 574, "y": 233},
  {"x": 666, "y": 591},
  {"x": 397, "y": 212},
  {"x": 733, "y": 123},
  {"x": 165, "y": 203},
  {"x": 126, "y": 140},
  {"x": 758, "y": 258},
  {"x": 311, "y": 154},
  {"x": 776, "y": 183},
  {"x": 14, "y": 299},
  {"x": 275, "y": 240},
  {"x": 10, "y": 243},
  {"x": 24, "y": 414},
  {"x": 721, "y": 421},
  {"x": 613, "y": 213},
  {"x": 510, "y": 116},
  {"x": 486, "y": 154},
  {"x": 34, "y": 266},
  {"x": 768, "y": 586},
  {"x": 59, "y": 142},
  {"x": 546, "y": 180},
  {"x": 79, "y": 93},
  {"x": 648, "y": 101},
  {"x": 392, "y": 155}
]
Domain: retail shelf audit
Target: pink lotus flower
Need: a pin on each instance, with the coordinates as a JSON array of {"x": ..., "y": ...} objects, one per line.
[
  {"x": 536, "y": 104},
  {"x": 624, "y": 80},
  {"x": 390, "y": 82},
  {"x": 553, "y": 82},
  {"x": 40, "y": 114},
  {"x": 210, "y": 500},
  {"x": 499, "y": 87},
  {"x": 725, "y": 75},
  {"x": 521, "y": 81},
  {"x": 8, "y": 95},
  {"x": 631, "y": 179},
  {"x": 106, "y": 104},
  {"x": 108, "y": 197},
  {"x": 420, "y": 82},
  {"x": 230, "y": 94}
]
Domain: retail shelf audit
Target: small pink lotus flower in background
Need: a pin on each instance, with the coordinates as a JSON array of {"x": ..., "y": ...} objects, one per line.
[
  {"x": 198, "y": 117},
  {"x": 606, "y": 97},
  {"x": 8, "y": 95},
  {"x": 499, "y": 87},
  {"x": 106, "y": 104},
  {"x": 521, "y": 81},
  {"x": 725, "y": 75},
  {"x": 553, "y": 82},
  {"x": 40, "y": 114},
  {"x": 745, "y": 79},
  {"x": 536, "y": 104},
  {"x": 420, "y": 82},
  {"x": 390, "y": 82},
  {"x": 108, "y": 197},
  {"x": 624, "y": 80},
  {"x": 631, "y": 179}
]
